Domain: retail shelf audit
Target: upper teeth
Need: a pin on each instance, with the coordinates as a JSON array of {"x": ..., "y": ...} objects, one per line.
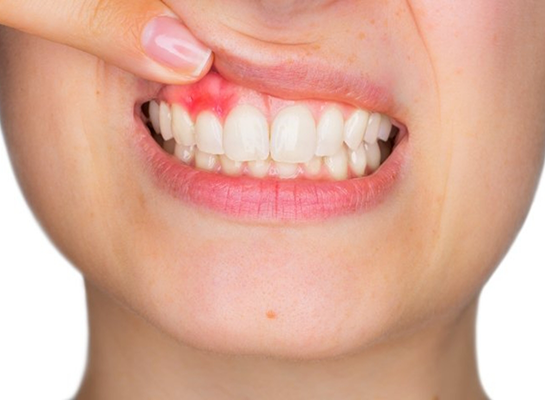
[
  {"x": 246, "y": 134},
  {"x": 293, "y": 137}
]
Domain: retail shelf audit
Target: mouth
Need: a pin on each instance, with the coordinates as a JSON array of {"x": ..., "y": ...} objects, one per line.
[{"x": 249, "y": 155}]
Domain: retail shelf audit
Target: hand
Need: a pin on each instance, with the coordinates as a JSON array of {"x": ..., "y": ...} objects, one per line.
[{"x": 141, "y": 36}]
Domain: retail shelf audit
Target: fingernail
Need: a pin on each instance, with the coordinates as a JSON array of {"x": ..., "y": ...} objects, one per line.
[{"x": 169, "y": 42}]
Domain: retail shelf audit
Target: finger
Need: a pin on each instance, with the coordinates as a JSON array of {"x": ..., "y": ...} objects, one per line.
[{"x": 141, "y": 36}]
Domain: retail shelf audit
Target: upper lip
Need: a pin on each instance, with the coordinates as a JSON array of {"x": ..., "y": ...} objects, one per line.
[
  {"x": 304, "y": 78},
  {"x": 297, "y": 71}
]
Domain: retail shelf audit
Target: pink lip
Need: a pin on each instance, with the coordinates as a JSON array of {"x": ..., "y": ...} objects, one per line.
[{"x": 251, "y": 199}]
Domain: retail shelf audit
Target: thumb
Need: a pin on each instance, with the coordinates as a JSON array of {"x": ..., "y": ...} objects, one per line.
[{"x": 141, "y": 36}]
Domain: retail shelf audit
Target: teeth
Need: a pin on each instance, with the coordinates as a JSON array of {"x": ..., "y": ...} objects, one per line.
[
  {"x": 209, "y": 133},
  {"x": 286, "y": 170},
  {"x": 358, "y": 160},
  {"x": 206, "y": 161},
  {"x": 183, "y": 127},
  {"x": 185, "y": 154},
  {"x": 373, "y": 126},
  {"x": 230, "y": 167},
  {"x": 246, "y": 134},
  {"x": 297, "y": 146},
  {"x": 259, "y": 168},
  {"x": 373, "y": 155},
  {"x": 165, "y": 120},
  {"x": 293, "y": 138},
  {"x": 330, "y": 133},
  {"x": 154, "y": 116},
  {"x": 337, "y": 165},
  {"x": 314, "y": 166},
  {"x": 354, "y": 129},
  {"x": 384, "y": 129}
]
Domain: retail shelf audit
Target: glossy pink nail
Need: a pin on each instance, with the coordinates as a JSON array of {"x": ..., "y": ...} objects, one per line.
[{"x": 169, "y": 42}]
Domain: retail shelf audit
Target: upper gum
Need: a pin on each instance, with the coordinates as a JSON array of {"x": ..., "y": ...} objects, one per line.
[{"x": 214, "y": 93}]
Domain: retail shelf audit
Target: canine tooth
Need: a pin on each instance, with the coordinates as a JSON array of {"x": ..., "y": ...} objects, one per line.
[
  {"x": 293, "y": 138},
  {"x": 183, "y": 127},
  {"x": 259, "y": 168},
  {"x": 372, "y": 151},
  {"x": 246, "y": 134},
  {"x": 229, "y": 166},
  {"x": 209, "y": 133},
  {"x": 185, "y": 154},
  {"x": 165, "y": 120},
  {"x": 385, "y": 128},
  {"x": 314, "y": 166},
  {"x": 206, "y": 161},
  {"x": 354, "y": 128},
  {"x": 154, "y": 116},
  {"x": 357, "y": 160},
  {"x": 286, "y": 170},
  {"x": 373, "y": 126},
  {"x": 330, "y": 132}
]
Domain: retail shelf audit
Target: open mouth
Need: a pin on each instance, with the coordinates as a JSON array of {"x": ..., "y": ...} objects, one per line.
[
  {"x": 250, "y": 154},
  {"x": 258, "y": 138}
]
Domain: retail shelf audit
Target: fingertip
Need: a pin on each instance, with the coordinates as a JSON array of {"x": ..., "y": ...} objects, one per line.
[{"x": 168, "y": 42}]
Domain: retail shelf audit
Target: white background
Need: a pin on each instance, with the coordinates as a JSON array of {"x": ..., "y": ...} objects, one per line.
[{"x": 43, "y": 335}]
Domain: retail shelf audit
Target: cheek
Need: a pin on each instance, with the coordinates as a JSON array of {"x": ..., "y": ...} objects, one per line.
[
  {"x": 64, "y": 150},
  {"x": 490, "y": 78}
]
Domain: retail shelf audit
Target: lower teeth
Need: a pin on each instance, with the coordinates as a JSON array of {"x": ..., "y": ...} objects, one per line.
[{"x": 347, "y": 164}]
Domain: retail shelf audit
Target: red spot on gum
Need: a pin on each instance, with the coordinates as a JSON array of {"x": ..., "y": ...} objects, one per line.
[
  {"x": 216, "y": 94},
  {"x": 212, "y": 93}
]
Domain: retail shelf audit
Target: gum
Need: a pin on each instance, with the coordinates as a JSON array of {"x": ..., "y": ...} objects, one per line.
[{"x": 217, "y": 94}]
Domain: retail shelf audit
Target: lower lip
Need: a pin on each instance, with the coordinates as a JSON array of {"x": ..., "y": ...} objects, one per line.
[{"x": 252, "y": 199}]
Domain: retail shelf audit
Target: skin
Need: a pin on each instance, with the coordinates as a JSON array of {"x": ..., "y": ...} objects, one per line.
[{"x": 184, "y": 303}]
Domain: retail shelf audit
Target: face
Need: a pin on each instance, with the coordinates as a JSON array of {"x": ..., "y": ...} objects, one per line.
[{"x": 414, "y": 240}]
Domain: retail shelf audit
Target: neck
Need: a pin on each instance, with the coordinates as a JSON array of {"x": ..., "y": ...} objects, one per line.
[{"x": 129, "y": 358}]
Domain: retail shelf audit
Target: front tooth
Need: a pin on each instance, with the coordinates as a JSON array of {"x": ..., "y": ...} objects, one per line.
[
  {"x": 154, "y": 116},
  {"x": 206, "y": 161},
  {"x": 165, "y": 120},
  {"x": 330, "y": 133},
  {"x": 373, "y": 155},
  {"x": 358, "y": 160},
  {"x": 373, "y": 126},
  {"x": 293, "y": 138},
  {"x": 246, "y": 134},
  {"x": 209, "y": 133},
  {"x": 184, "y": 153},
  {"x": 183, "y": 127},
  {"x": 286, "y": 170},
  {"x": 385, "y": 128},
  {"x": 314, "y": 166},
  {"x": 337, "y": 165},
  {"x": 259, "y": 168},
  {"x": 354, "y": 128},
  {"x": 230, "y": 167}
]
